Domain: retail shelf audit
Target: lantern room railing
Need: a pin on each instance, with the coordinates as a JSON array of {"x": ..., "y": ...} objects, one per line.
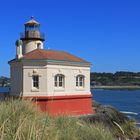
[{"x": 32, "y": 35}]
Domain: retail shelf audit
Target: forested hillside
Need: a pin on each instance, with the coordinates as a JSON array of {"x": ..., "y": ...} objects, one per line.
[
  {"x": 4, "y": 81},
  {"x": 115, "y": 79}
]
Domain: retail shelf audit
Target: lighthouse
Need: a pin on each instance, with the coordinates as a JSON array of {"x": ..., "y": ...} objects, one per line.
[
  {"x": 32, "y": 37},
  {"x": 57, "y": 81}
]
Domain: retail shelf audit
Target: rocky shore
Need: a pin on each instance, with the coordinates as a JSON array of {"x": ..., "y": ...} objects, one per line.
[{"x": 119, "y": 124}]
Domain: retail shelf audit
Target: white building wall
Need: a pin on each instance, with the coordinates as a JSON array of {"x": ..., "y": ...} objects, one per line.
[
  {"x": 31, "y": 69},
  {"x": 16, "y": 78},
  {"x": 21, "y": 79},
  {"x": 46, "y": 80},
  {"x": 70, "y": 73}
]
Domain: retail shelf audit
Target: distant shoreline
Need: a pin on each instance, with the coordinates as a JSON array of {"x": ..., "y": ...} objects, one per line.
[{"x": 116, "y": 87}]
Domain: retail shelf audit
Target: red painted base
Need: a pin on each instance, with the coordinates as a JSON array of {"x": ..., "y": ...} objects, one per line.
[{"x": 64, "y": 105}]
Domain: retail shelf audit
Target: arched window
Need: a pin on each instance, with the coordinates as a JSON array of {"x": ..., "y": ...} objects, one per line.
[
  {"x": 80, "y": 81},
  {"x": 38, "y": 45},
  {"x": 59, "y": 80}
]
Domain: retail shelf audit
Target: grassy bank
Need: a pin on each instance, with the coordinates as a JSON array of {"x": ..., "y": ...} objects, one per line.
[{"x": 20, "y": 120}]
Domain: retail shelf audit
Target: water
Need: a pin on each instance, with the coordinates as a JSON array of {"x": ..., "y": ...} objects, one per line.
[
  {"x": 4, "y": 89},
  {"x": 3, "y": 92},
  {"x": 124, "y": 100}
]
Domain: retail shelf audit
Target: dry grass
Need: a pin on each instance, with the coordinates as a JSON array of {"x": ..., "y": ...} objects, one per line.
[
  {"x": 120, "y": 125},
  {"x": 19, "y": 120}
]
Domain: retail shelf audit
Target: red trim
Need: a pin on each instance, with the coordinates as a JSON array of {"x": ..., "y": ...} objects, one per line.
[
  {"x": 64, "y": 105},
  {"x": 58, "y": 97}
]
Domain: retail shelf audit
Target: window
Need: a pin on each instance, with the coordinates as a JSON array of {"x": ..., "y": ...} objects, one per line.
[
  {"x": 80, "y": 81},
  {"x": 38, "y": 45},
  {"x": 35, "y": 81},
  {"x": 59, "y": 80}
]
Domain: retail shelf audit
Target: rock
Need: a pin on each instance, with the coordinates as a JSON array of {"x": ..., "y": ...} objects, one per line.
[{"x": 106, "y": 115}]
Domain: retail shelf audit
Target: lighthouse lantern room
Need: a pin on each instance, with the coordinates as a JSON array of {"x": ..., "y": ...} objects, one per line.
[{"x": 32, "y": 37}]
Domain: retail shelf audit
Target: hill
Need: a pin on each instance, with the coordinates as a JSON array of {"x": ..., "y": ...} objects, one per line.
[
  {"x": 115, "y": 79},
  {"x": 4, "y": 81}
]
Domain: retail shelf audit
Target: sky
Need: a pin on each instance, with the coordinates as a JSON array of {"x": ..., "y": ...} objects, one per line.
[{"x": 103, "y": 32}]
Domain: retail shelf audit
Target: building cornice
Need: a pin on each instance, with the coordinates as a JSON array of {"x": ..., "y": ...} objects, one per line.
[{"x": 52, "y": 62}]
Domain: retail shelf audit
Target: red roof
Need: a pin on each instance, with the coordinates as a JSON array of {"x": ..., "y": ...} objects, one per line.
[{"x": 52, "y": 55}]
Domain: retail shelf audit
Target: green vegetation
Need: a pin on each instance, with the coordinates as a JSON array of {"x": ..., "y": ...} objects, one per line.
[
  {"x": 4, "y": 81},
  {"x": 20, "y": 120},
  {"x": 115, "y": 79}
]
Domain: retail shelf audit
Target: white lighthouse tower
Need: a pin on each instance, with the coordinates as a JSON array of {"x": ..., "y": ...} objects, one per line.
[{"x": 32, "y": 38}]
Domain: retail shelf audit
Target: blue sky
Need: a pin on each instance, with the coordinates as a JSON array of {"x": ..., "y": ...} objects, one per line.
[{"x": 104, "y": 32}]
